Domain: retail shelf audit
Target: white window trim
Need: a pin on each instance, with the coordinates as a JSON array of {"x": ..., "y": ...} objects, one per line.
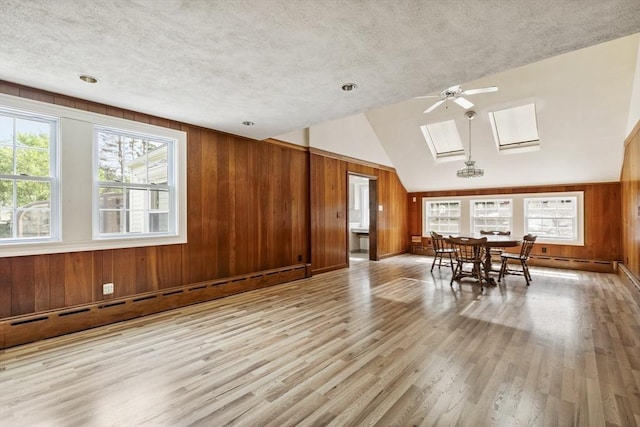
[
  {"x": 171, "y": 168},
  {"x": 497, "y": 200},
  {"x": 426, "y": 230},
  {"x": 579, "y": 225},
  {"x": 53, "y": 178},
  {"x": 518, "y": 219},
  {"x": 75, "y": 164}
]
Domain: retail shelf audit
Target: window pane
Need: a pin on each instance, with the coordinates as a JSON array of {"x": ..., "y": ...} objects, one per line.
[
  {"x": 135, "y": 221},
  {"x": 31, "y": 194},
  {"x": 32, "y": 162},
  {"x": 6, "y": 130},
  {"x": 110, "y": 222},
  {"x": 6, "y": 160},
  {"x": 159, "y": 222},
  {"x": 109, "y": 157},
  {"x": 159, "y": 200},
  {"x": 6, "y": 223},
  {"x": 6, "y": 193},
  {"x": 158, "y": 172},
  {"x": 32, "y": 133},
  {"x": 111, "y": 198},
  {"x": 136, "y": 199},
  {"x": 33, "y": 222}
]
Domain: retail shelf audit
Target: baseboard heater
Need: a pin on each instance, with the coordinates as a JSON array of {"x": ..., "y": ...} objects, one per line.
[
  {"x": 574, "y": 263},
  {"x": 33, "y": 327},
  {"x": 546, "y": 261}
]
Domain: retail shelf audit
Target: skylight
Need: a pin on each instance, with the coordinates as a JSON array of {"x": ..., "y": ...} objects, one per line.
[
  {"x": 443, "y": 140},
  {"x": 515, "y": 127}
]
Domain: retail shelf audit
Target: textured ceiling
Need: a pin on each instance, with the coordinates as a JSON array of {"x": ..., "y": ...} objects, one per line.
[{"x": 280, "y": 63}]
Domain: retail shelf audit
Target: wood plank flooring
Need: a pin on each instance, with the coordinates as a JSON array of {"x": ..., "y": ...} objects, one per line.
[{"x": 382, "y": 343}]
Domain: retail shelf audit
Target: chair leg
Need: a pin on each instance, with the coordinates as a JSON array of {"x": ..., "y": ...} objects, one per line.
[
  {"x": 479, "y": 274},
  {"x": 451, "y": 263},
  {"x": 525, "y": 271},
  {"x": 454, "y": 276},
  {"x": 435, "y": 257},
  {"x": 503, "y": 269}
]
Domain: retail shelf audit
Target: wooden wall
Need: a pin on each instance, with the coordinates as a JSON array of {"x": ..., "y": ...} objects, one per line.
[
  {"x": 329, "y": 210},
  {"x": 631, "y": 202},
  {"x": 248, "y": 210},
  {"x": 602, "y": 229},
  {"x": 251, "y": 205}
]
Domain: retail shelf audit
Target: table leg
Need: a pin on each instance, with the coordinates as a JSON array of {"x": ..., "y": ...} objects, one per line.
[{"x": 487, "y": 267}]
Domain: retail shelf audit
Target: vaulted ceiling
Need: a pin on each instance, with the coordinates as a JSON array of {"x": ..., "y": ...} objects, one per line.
[{"x": 281, "y": 63}]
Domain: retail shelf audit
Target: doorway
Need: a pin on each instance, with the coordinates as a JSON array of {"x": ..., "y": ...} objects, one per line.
[{"x": 362, "y": 218}]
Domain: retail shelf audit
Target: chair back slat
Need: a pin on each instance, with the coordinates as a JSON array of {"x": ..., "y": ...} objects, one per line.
[
  {"x": 438, "y": 241},
  {"x": 527, "y": 245},
  {"x": 468, "y": 249}
]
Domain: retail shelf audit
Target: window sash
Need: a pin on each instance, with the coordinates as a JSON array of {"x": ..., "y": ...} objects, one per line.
[
  {"x": 143, "y": 219},
  {"x": 44, "y": 222},
  {"x": 491, "y": 215},
  {"x": 558, "y": 220},
  {"x": 442, "y": 216}
]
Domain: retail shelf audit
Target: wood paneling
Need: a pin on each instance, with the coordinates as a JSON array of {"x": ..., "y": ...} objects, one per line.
[
  {"x": 247, "y": 207},
  {"x": 393, "y": 236},
  {"x": 631, "y": 202},
  {"x": 328, "y": 213},
  {"x": 603, "y": 228},
  {"x": 329, "y": 210}
]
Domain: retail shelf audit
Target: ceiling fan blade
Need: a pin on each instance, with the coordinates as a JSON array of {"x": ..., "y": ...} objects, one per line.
[
  {"x": 480, "y": 90},
  {"x": 426, "y": 96},
  {"x": 463, "y": 102},
  {"x": 434, "y": 106}
]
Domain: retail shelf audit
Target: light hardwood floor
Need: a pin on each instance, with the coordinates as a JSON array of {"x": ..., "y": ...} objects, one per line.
[{"x": 382, "y": 343}]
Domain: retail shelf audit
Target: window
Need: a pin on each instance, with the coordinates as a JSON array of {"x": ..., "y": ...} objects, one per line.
[
  {"x": 135, "y": 190},
  {"x": 49, "y": 153},
  {"x": 490, "y": 215},
  {"x": 28, "y": 177},
  {"x": 443, "y": 140},
  {"x": 555, "y": 217},
  {"x": 552, "y": 218},
  {"x": 442, "y": 217},
  {"x": 515, "y": 128}
]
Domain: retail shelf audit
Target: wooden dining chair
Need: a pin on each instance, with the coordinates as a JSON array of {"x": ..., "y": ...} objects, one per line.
[
  {"x": 440, "y": 249},
  {"x": 468, "y": 251},
  {"x": 522, "y": 258}
]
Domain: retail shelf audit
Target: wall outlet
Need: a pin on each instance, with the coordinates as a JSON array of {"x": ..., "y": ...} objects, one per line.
[{"x": 107, "y": 289}]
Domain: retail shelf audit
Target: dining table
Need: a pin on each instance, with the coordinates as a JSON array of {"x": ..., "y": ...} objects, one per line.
[{"x": 493, "y": 241}]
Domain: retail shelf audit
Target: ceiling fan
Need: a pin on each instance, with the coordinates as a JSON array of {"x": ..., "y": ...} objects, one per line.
[{"x": 455, "y": 93}]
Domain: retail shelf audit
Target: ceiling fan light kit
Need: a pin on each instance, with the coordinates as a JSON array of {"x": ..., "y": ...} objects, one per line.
[
  {"x": 470, "y": 170},
  {"x": 455, "y": 94}
]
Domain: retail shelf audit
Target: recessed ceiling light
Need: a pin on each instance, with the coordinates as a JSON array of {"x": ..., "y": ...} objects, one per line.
[
  {"x": 87, "y": 78},
  {"x": 348, "y": 87},
  {"x": 248, "y": 123}
]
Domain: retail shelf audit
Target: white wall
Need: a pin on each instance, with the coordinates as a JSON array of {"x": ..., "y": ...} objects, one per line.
[{"x": 634, "y": 107}]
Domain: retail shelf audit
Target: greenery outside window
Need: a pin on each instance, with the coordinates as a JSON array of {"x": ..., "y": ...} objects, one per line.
[
  {"x": 135, "y": 184},
  {"x": 28, "y": 177}
]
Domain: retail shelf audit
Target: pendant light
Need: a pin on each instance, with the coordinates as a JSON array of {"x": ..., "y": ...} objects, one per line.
[{"x": 470, "y": 170}]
